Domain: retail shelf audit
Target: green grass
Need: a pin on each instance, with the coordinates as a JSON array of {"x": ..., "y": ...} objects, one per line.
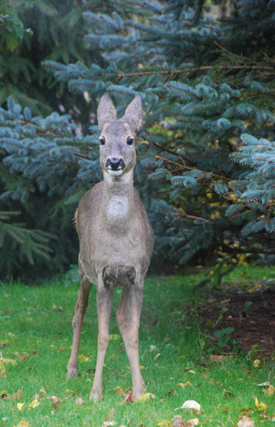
[{"x": 173, "y": 350}]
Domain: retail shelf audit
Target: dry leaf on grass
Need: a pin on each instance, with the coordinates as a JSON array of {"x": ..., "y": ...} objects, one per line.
[
  {"x": 192, "y": 422},
  {"x": 145, "y": 397},
  {"x": 190, "y": 404},
  {"x": 178, "y": 422},
  {"x": 42, "y": 391},
  {"x": 15, "y": 396},
  {"x": 55, "y": 401},
  {"x": 270, "y": 390},
  {"x": 119, "y": 391},
  {"x": 245, "y": 422},
  {"x": 183, "y": 385},
  {"x": 34, "y": 404},
  {"x": 79, "y": 401},
  {"x": 129, "y": 398}
]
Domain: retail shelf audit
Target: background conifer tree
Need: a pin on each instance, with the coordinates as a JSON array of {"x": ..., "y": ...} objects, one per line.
[{"x": 205, "y": 169}]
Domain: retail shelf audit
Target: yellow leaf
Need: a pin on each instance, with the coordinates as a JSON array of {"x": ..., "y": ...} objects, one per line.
[
  {"x": 164, "y": 423},
  {"x": 114, "y": 337},
  {"x": 185, "y": 384},
  {"x": 7, "y": 360},
  {"x": 23, "y": 424},
  {"x": 10, "y": 334},
  {"x": 256, "y": 363},
  {"x": 83, "y": 358},
  {"x": 270, "y": 390},
  {"x": 260, "y": 406},
  {"x": 2, "y": 366},
  {"x": 145, "y": 397},
  {"x": 34, "y": 404},
  {"x": 20, "y": 406},
  {"x": 4, "y": 342}
]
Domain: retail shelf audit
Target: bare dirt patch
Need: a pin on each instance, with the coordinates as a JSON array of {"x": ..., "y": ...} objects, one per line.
[{"x": 250, "y": 313}]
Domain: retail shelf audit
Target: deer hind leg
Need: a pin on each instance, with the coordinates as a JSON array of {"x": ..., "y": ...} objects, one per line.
[
  {"x": 128, "y": 317},
  {"x": 104, "y": 308},
  {"x": 80, "y": 309}
]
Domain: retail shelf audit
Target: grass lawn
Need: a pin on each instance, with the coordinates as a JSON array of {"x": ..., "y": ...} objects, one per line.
[{"x": 35, "y": 341}]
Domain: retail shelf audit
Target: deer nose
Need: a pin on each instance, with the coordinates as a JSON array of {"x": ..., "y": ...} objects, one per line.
[{"x": 115, "y": 164}]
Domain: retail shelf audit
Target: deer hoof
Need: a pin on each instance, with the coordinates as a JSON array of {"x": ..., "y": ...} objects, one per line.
[
  {"x": 71, "y": 372},
  {"x": 95, "y": 396}
]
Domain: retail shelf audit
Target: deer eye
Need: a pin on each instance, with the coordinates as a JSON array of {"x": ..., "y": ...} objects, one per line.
[
  {"x": 130, "y": 140},
  {"x": 102, "y": 140}
]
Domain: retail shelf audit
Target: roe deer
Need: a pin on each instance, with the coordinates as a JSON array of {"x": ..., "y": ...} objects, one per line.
[{"x": 116, "y": 242}]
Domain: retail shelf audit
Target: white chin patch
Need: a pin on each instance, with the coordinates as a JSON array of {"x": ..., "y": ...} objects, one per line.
[{"x": 115, "y": 173}]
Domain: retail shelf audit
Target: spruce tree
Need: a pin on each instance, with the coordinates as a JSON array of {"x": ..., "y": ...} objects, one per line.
[{"x": 205, "y": 169}]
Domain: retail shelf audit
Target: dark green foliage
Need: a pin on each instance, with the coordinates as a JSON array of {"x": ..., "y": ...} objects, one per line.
[{"x": 206, "y": 77}]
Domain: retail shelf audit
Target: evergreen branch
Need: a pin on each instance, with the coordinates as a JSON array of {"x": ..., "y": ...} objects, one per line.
[{"x": 183, "y": 214}]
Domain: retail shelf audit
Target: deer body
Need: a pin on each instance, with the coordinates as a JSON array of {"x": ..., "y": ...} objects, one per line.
[{"x": 116, "y": 242}]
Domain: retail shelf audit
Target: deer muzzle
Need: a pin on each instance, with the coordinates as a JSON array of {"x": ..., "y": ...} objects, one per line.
[{"x": 115, "y": 164}]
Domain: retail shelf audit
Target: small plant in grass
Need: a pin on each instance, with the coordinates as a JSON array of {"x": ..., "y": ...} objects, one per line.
[{"x": 223, "y": 335}]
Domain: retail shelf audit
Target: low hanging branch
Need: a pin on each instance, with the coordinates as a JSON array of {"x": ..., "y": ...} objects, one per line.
[{"x": 170, "y": 72}]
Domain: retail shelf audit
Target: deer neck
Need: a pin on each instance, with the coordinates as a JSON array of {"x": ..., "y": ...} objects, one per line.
[{"x": 118, "y": 198}]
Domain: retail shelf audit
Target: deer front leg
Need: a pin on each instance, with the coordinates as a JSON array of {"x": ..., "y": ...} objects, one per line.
[
  {"x": 80, "y": 309},
  {"x": 128, "y": 317},
  {"x": 104, "y": 308}
]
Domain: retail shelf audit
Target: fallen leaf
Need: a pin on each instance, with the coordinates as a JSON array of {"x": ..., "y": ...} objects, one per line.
[
  {"x": 23, "y": 424},
  {"x": 83, "y": 358},
  {"x": 114, "y": 337},
  {"x": 36, "y": 396},
  {"x": 62, "y": 349},
  {"x": 55, "y": 401},
  {"x": 33, "y": 404},
  {"x": 7, "y": 360},
  {"x": 3, "y": 343},
  {"x": 263, "y": 415},
  {"x": 192, "y": 422},
  {"x": 260, "y": 406},
  {"x": 42, "y": 391},
  {"x": 245, "y": 422},
  {"x": 265, "y": 384},
  {"x": 23, "y": 357},
  {"x": 79, "y": 401},
  {"x": 270, "y": 390},
  {"x": 108, "y": 423},
  {"x": 20, "y": 406},
  {"x": 129, "y": 396},
  {"x": 185, "y": 384},
  {"x": 227, "y": 394},
  {"x": 15, "y": 396},
  {"x": 164, "y": 423},
  {"x": 145, "y": 397},
  {"x": 190, "y": 404},
  {"x": 119, "y": 391},
  {"x": 10, "y": 334},
  {"x": 256, "y": 363},
  {"x": 191, "y": 372},
  {"x": 178, "y": 423}
]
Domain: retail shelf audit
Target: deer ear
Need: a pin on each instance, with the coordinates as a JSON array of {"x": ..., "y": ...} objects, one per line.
[
  {"x": 106, "y": 112},
  {"x": 133, "y": 114}
]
